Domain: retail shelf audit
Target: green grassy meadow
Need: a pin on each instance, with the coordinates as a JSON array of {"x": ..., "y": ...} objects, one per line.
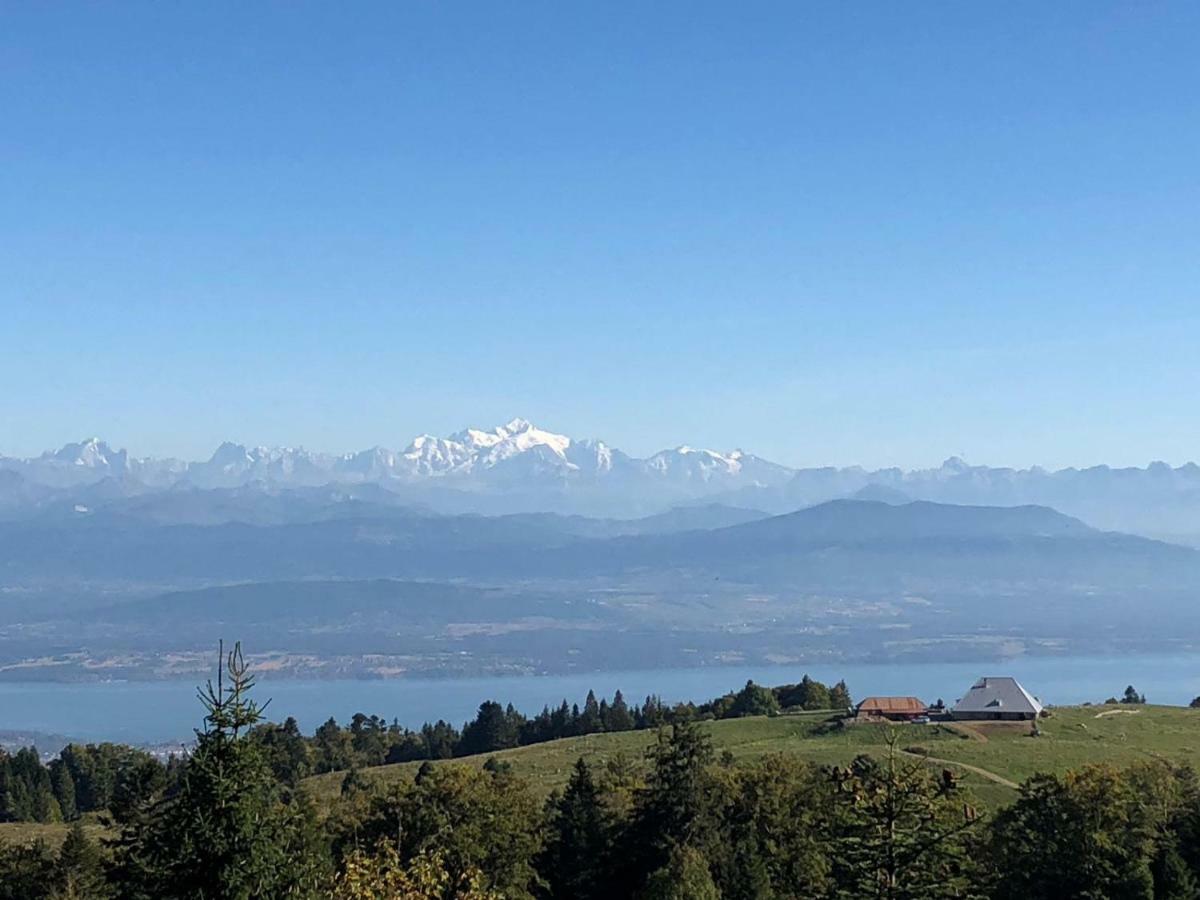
[{"x": 1070, "y": 737}]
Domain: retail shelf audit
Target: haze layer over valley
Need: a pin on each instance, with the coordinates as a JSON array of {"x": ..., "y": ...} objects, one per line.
[{"x": 520, "y": 550}]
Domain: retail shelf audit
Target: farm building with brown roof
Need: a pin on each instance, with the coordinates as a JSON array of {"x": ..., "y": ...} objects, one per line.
[{"x": 896, "y": 709}]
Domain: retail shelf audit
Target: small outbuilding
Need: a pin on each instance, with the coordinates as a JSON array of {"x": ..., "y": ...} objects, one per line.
[
  {"x": 999, "y": 699},
  {"x": 895, "y": 709}
]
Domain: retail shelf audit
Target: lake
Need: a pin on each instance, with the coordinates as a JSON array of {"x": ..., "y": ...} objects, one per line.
[{"x": 158, "y": 712}]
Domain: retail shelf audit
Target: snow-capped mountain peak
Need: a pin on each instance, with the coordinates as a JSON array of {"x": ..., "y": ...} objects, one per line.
[
  {"x": 516, "y": 457},
  {"x": 91, "y": 453}
]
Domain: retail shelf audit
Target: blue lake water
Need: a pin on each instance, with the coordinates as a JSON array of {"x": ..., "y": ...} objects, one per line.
[{"x": 167, "y": 711}]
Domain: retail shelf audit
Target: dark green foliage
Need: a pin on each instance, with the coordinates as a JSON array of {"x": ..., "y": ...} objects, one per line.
[
  {"x": 286, "y": 750},
  {"x": 811, "y": 694},
  {"x": 475, "y": 819},
  {"x": 773, "y": 839},
  {"x": 27, "y": 872},
  {"x": 332, "y": 748},
  {"x": 1086, "y": 834},
  {"x": 138, "y": 783},
  {"x": 619, "y": 718},
  {"x": 577, "y": 854},
  {"x": 753, "y": 700},
  {"x": 1173, "y": 877},
  {"x": 685, "y": 876},
  {"x": 900, "y": 833},
  {"x": 228, "y": 832},
  {"x": 839, "y": 696},
  {"x": 1132, "y": 696},
  {"x": 80, "y": 870},
  {"x": 26, "y": 789},
  {"x": 494, "y": 729},
  {"x": 679, "y": 804},
  {"x": 105, "y": 777}
]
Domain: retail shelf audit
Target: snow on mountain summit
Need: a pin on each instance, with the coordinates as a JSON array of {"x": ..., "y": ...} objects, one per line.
[
  {"x": 473, "y": 449},
  {"x": 518, "y": 455},
  {"x": 91, "y": 453}
]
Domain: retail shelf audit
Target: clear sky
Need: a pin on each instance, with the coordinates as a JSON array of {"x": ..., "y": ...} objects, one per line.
[{"x": 875, "y": 233}]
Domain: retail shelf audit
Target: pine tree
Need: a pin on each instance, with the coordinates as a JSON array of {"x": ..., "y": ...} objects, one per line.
[
  {"x": 619, "y": 716},
  {"x": 27, "y": 871},
  {"x": 228, "y": 832},
  {"x": 80, "y": 868},
  {"x": 63, "y": 785},
  {"x": 589, "y": 720},
  {"x": 901, "y": 834},
  {"x": 1132, "y": 696},
  {"x": 578, "y": 852},
  {"x": 839, "y": 696}
]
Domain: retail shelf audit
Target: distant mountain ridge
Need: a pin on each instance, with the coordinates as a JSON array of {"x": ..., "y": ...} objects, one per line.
[
  {"x": 519, "y": 467},
  {"x": 359, "y": 586}
]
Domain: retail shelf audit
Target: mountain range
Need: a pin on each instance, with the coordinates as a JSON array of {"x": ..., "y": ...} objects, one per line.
[
  {"x": 519, "y": 467},
  {"x": 374, "y": 591}
]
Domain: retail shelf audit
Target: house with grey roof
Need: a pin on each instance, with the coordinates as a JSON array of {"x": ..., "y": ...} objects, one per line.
[{"x": 997, "y": 699}]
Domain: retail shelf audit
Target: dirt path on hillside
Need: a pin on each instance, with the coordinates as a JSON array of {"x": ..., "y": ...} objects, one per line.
[
  {"x": 1117, "y": 712},
  {"x": 983, "y": 773}
]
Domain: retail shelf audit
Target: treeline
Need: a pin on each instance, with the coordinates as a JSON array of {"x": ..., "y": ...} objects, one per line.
[
  {"x": 368, "y": 741},
  {"x": 111, "y": 778},
  {"x": 116, "y": 779},
  {"x": 679, "y": 825}
]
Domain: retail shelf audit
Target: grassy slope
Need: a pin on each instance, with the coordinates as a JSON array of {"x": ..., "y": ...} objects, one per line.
[{"x": 1071, "y": 737}]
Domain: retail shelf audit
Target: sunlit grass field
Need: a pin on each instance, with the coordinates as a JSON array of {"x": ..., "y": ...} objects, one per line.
[
  {"x": 1070, "y": 737},
  {"x": 1006, "y": 752}
]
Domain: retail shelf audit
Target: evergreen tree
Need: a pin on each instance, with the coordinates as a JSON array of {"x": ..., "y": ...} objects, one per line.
[
  {"x": 332, "y": 748},
  {"x": 1132, "y": 696},
  {"x": 900, "y": 834},
  {"x": 137, "y": 784},
  {"x": 27, "y": 871},
  {"x": 440, "y": 739},
  {"x": 590, "y": 721},
  {"x": 839, "y": 696},
  {"x": 227, "y": 832},
  {"x": 80, "y": 871},
  {"x": 63, "y": 785},
  {"x": 773, "y": 842},
  {"x": 494, "y": 728},
  {"x": 577, "y": 855},
  {"x": 286, "y": 750},
  {"x": 677, "y": 806},
  {"x": 619, "y": 716}
]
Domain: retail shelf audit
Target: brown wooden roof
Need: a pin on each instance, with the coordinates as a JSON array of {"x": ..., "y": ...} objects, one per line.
[{"x": 894, "y": 705}]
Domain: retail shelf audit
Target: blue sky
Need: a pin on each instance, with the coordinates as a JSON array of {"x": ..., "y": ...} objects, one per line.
[{"x": 872, "y": 233}]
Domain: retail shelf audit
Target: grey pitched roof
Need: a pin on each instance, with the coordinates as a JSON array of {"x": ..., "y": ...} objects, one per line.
[{"x": 998, "y": 695}]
